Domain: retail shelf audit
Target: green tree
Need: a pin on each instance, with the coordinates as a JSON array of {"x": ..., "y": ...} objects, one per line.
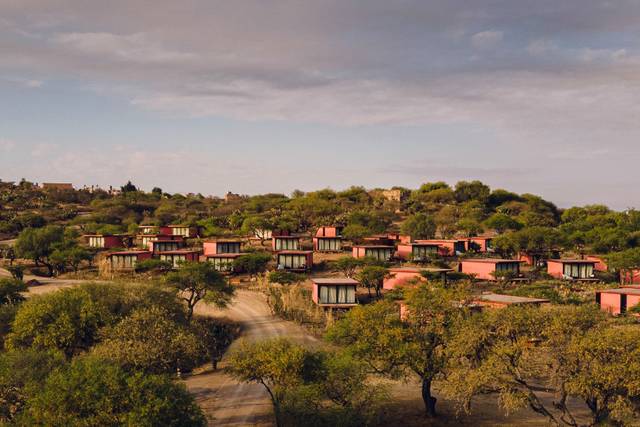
[
  {"x": 389, "y": 345},
  {"x": 253, "y": 263},
  {"x": 38, "y": 244},
  {"x": 502, "y": 222},
  {"x": 150, "y": 340},
  {"x": 92, "y": 391},
  {"x": 285, "y": 277},
  {"x": 372, "y": 277},
  {"x": 196, "y": 281},
  {"x": 277, "y": 365},
  {"x": 474, "y": 190},
  {"x": 419, "y": 226},
  {"x": 348, "y": 265},
  {"x": 11, "y": 291}
]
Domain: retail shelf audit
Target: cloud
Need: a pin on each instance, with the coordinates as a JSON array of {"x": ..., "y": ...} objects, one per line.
[
  {"x": 43, "y": 149},
  {"x": 486, "y": 39}
]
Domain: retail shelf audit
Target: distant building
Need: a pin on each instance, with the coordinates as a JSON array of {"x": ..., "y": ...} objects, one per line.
[
  {"x": 105, "y": 241},
  {"x": 378, "y": 252},
  {"x": 618, "y": 301},
  {"x": 394, "y": 194},
  {"x": 486, "y": 268},
  {"x": 334, "y": 292},
  {"x": 479, "y": 244},
  {"x": 230, "y": 197},
  {"x": 401, "y": 276},
  {"x": 179, "y": 230},
  {"x": 57, "y": 186},
  {"x": 328, "y": 239},
  {"x": 418, "y": 251},
  {"x": 449, "y": 246},
  {"x": 126, "y": 260},
  {"x": 501, "y": 301},
  {"x": 157, "y": 246},
  {"x": 218, "y": 247},
  {"x": 571, "y": 269},
  {"x": 285, "y": 243},
  {"x": 299, "y": 261},
  {"x": 221, "y": 262},
  {"x": 178, "y": 256}
]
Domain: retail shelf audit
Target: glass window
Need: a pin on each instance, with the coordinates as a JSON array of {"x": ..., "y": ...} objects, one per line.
[
  {"x": 336, "y": 294},
  {"x": 329, "y": 245}
]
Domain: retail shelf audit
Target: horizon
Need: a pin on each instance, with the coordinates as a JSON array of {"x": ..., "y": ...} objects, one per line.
[{"x": 256, "y": 97}]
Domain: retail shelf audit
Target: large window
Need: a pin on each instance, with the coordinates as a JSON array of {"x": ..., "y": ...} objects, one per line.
[
  {"x": 459, "y": 247},
  {"x": 423, "y": 252},
  {"x": 180, "y": 231},
  {"x": 174, "y": 259},
  {"x": 578, "y": 270},
  {"x": 147, "y": 239},
  {"x": 228, "y": 247},
  {"x": 166, "y": 246},
  {"x": 122, "y": 262},
  {"x": 380, "y": 254},
  {"x": 96, "y": 241},
  {"x": 222, "y": 264},
  {"x": 337, "y": 294},
  {"x": 293, "y": 262},
  {"x": 508, "y": 266},
  {"x": 329, "y": 245},
  {"x": 287, "y": 244}
]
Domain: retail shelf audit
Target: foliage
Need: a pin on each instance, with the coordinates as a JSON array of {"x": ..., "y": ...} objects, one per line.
[
  {"x": 252, "y": 263},
  {"x": 153, "y": 266},
  {"x": 285, "y": 277},
  {"x": 347, "y": 265},
  {"x": 91, "y": 391},
  {"x": 195, "y": 281},
  {"x": 10, "y": 291},
  {"x": 372, "y": 277},
  {"x": 419, "y": 226},
  {"x": 39, "y": 243}
]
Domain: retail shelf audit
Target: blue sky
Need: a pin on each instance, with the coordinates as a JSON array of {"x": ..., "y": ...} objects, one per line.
[{"x": 261, "y": 96}]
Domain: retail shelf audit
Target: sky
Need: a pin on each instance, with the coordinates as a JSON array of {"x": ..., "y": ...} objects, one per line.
[{"x": 271, "y": 96}]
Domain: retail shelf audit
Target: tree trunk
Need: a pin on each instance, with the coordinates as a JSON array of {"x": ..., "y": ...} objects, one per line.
[{"x": 429, "y": 400}]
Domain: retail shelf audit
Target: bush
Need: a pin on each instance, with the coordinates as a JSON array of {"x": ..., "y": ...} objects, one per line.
[
  {"x": 285, "y": 277},
  {"x": 153, "y": 266}
]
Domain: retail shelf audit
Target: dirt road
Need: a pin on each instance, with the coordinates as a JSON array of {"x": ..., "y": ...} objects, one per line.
[{"x": 225, "y": 401}]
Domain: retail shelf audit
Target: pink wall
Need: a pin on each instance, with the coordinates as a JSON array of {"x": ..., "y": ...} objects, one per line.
[
  {"x": 480, "y": 241},
  {"x": 314, "y": 293},
  {"x": 358, "y": 252},
  {"x": 327, "y": 232},
  {"x": 481, "y": 270},
  {"x": 556, "y": 269},
  {"x": 315, "y": 244},
  {"x": 405, "y": 251},
  {"x": 400, "y": 277},
  {"x": 630, "y": 277},
  {"x": 601, "y": 265}
]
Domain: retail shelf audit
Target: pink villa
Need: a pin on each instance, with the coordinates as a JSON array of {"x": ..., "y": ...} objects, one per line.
[
  {"x": 379, "y": 239},
  {"x": 105, "y": 241},
  {"x": 571, "y": 269},
  {"x": 378, "y": 252},
  {"x": 179, "y": 230},
  {"x": 144, "y": 239},
  {"x": 285, "y": 243},
  {"x": 177, "y": 256},
  {"x": 294, "y": 260},
  {"x": 418, "y": 251},
  {"x": 485, "y": 268},
  {"x": 618, "y": 301},
  {"x": 630, "y": 277},
  {"x": 479, "y": 244},
  {"x": 149, "y": 229},
  {"x": 221, "y": 262},
  {"x": 327, "y": 231},
  {"x": 157, "y": 246},
  {"x": 126, "y": 260},
  {"x": 491, "y": 300},
  {"x": 334, "y": 292},
  {"x": 402, "y": 276},
  {"x": 222, "y": 247},
  {"x": 451, "y": 246},
  {"x": 537, "y": 259},
  {"x": 601, "y": 263}
]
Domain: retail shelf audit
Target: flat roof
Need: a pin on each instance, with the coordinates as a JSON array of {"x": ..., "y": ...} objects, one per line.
[
  {"x": 294, "y": 252},
  {"x": 440, "y": 240},
  {"x": 621, "y": 291},
  {"x": 573, "y": 261},
  {"x": 374, "y": 246},
  {"x": 229, "y": 240},
  {"x": 128, "y": 253},
  {"x": 335, "y": 281},
  {"x": 286, "y": 237},
  {"x": 179, "y": 252},
  {"x": 178, "y": 225},
  {"x": 223, "y": 255},
  {"x": 490, "y": 260},
  {"x": 419, "y": 270},
  {"x": 510, "y": 299}
]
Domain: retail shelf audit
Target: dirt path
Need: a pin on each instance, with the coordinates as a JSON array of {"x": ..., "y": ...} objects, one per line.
[{"x": 225, "y": 401}]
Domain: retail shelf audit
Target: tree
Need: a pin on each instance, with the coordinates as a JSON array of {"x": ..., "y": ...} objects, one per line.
[
  {"x": 516, "y": 351},
  {"x": 128, "y": 188},
  {"x": 197, "y": 281},
  {"x": 447, "y": 221},
  {"x": 149, "y": 340},
  {"x": 252, "y": 263},
  {"x": 11, "y": 291},
  {"x": 285, "y": 277},
  {"x": 38, "y": 244},
  {"x": 625, "y": 261},
  {"x": 502, "y": 222},
  {"x": 419, "y": 226},
  {"x": 389, "y": 345},
  {"x": 92, "y": 391},
  {"x": 355, "y": 232},
  {"x": 256, "y": 225},
  {"x": 373, "y": 276},
  {"x": 347, "y": 265},
  {"x": 470, "y": 227},
  {"x": 474, "y": 190},
  {"x": 72, "y": 256},
  {"x": 278, "y": 365}
]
